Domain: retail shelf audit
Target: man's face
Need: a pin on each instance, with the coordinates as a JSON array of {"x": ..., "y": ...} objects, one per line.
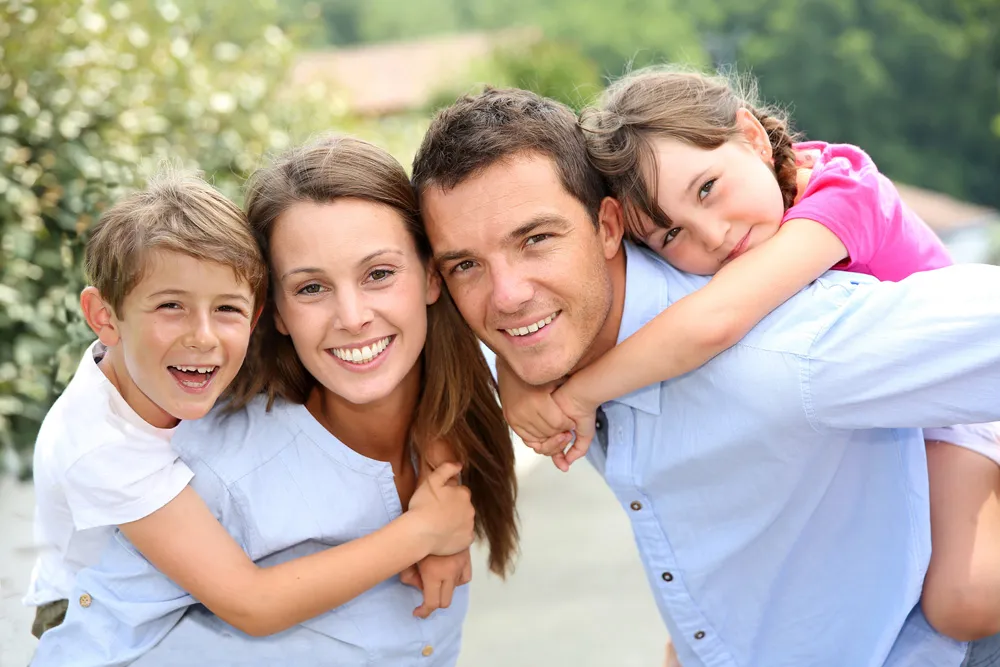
[{"x": 525, "y": 265}]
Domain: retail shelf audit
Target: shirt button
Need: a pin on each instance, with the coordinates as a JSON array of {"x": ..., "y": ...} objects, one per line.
[
  {"x": 428, "y": 650},
  {"x": 636, "y": 506},
  {"x": 598, "y": 425},
  {"x": 700, "y": 634},
  {"x": 85, "y": 600},
  {"x": 667, "y": 577}
]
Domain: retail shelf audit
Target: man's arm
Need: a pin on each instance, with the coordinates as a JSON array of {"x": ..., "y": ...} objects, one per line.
[{"x": 921, "y": 352}]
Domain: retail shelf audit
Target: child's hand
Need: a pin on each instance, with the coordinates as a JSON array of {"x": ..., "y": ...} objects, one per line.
[
  {"x": 445, "y": 510},
  {"x": 532, "y": 414},
  {"x": 584, "y": 418},
  {"x": 437, "y": 577}
]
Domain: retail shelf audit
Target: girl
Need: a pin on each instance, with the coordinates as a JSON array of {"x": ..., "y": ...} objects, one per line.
[
  {"x": 709, "y": 181},
  {"x": 358, "y": 361}
]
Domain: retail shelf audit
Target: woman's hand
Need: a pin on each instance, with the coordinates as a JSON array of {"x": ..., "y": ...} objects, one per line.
[
  {"x": 437, "y": 577},
  {"x": 445, "y": 511}
]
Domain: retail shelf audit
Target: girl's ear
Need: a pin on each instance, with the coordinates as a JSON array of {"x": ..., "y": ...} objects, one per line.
[
  {"x": 755, "y": 135},
  {"x": 100, "y": 316}
]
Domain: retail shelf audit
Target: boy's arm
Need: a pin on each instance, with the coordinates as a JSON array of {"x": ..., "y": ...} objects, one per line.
[
  {"x": 714, "y": 318},
  {"x": 185, "y": 541},
  {"x": 922, "y": 352}
]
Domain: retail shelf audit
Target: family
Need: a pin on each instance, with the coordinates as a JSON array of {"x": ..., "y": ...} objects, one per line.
[{"x": 286, "y": 436}]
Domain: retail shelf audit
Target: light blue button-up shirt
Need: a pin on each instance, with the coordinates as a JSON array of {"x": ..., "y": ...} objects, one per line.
[
  {"x": 779, "y": 505},
  {"x": 283, "y": 487}
]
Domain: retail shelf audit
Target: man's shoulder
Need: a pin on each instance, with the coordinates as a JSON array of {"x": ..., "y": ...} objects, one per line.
[{"x": 233, "y": 442}]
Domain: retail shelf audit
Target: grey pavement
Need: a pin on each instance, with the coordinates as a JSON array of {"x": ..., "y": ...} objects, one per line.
[{"x": 577, "y": 597}]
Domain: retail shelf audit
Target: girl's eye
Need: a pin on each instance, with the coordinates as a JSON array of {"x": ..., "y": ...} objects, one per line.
[
  {"x": 705, "y": 189},
  {"x": 671, "y": 235},
  {"x": 380, "y": 274},
  {"x": 461, "y": 267},
  {"x": 311, "y": 288}
]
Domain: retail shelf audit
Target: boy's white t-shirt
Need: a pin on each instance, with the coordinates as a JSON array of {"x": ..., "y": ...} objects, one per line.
[{"x": 97, "y": 464}]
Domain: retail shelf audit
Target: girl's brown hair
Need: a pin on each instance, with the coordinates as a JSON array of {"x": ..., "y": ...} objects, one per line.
[
  {"x": 688, "y": 106},
  {"x": 458, "y": 401}
]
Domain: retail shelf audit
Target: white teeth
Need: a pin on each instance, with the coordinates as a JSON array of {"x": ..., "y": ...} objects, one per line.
[
  {"x": 531, "y": 328},
  {"x": 364, "y": 354},
  {"x": 196, "y": 369}
]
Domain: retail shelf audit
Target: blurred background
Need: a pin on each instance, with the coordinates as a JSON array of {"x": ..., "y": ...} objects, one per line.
[{"x": 94, "y": 95}]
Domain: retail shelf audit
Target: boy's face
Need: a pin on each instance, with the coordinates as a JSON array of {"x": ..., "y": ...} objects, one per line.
[{"x": 182, "y": 335}]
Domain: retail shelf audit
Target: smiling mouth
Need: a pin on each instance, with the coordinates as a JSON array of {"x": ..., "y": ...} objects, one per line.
[
  {"x": 193, "y": 377},
  {"x": 362, "y": 355},
  {"x": 533, "y": 327},
  {"x": 738, "y": 249}
]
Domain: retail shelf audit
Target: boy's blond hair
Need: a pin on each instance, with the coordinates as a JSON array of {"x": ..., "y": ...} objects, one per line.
[{"x": 176, "y": 211}]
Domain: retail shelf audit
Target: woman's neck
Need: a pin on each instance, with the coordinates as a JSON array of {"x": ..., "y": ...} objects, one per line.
[{"x": 378, "y": 430}]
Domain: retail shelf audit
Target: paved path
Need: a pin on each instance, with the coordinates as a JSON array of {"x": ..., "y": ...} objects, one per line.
[{"x": 578, "y": 596}]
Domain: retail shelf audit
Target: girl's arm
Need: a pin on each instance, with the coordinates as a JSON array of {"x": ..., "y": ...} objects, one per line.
[
  {"x": 185, "y": 542},
  {"x": 701, "y": 325}
]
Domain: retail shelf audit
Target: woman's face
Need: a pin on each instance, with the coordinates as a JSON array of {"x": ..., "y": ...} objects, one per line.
[{"x": 352, "y": 293}]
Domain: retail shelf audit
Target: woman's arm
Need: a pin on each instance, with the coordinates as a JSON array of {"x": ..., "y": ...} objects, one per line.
[
  {"x": 185, "y": 542},
  {"x": 701, "y": 325}
]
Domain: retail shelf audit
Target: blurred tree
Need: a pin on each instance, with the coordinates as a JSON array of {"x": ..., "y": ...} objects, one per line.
[{"x": 95, "y": 94}]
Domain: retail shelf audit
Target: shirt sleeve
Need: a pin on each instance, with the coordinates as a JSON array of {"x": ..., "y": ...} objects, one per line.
[
  {"x": 923, "y": 352},
  {"x": 845, "y": 195},
  {"x": 123, "y": 480}
]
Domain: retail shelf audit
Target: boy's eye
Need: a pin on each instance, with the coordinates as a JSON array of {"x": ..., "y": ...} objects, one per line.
[
  {"x": 170, "y": 305},
  {"x": 231, "y": 309},
  {"x": 671, "y": 235},
  {"x": 706, "y": 188},
  {"x": 312, "y": 288}
]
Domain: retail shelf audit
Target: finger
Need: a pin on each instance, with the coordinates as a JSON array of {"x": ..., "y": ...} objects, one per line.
[
  {"x": 411, "y": 577},
  {"x": 556, "y": 444},
  {"x": 447, "y": 589},
  {"x": 466, "y": 576},
  {"x": 579, "y": 449},
  {"x": 432, "y": 599},
  {"x": 559, "y": 461},
  {"x": 444, "y": 472}
]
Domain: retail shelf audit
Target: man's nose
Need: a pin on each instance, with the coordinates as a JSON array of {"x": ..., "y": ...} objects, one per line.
[{"x": 511, "y": 289}]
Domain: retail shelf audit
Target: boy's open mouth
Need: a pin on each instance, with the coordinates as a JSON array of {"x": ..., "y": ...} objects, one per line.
[{"x": 194, "y": 377}]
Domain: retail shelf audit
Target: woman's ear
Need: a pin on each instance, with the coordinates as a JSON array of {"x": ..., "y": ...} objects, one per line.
[
  {"x": 611, "y": 226},
  {"x": 100, "y": 316},
  {"x": 433, "y": 286},
  {"x": 755, "y": 135}
]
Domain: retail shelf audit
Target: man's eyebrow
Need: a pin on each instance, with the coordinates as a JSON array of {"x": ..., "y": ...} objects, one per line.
[{"x": 540, "y": 220}]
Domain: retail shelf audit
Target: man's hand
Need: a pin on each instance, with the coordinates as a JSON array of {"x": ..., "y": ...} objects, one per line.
[{"x": 437, "y": 577}]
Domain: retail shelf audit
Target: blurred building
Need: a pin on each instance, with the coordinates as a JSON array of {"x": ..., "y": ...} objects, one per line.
[
  {"x": 398, "y": 77},
  {"x": 970, "y": 231}
]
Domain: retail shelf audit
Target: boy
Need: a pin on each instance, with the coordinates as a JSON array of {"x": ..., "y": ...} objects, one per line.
[{"x": 176, "y": 280}]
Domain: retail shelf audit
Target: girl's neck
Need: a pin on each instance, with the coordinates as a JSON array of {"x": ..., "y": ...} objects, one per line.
[{"x": 379, "y": 430}]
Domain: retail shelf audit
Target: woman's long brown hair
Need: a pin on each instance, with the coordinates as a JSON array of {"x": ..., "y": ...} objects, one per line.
[{"x": 458, "y": 396}]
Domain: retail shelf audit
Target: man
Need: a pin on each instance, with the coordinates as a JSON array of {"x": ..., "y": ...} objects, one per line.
[{"x": 780, "y": 521}]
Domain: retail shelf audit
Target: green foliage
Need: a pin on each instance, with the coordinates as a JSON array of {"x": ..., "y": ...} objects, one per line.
[{"x": 94, "y": 96}]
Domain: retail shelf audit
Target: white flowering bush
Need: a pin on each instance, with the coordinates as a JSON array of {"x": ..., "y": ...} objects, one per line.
[{"x": 93, "y": 96}]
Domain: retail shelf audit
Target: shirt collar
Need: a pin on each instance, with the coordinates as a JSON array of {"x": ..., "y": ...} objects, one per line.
[{"x": 645, "y": 298}]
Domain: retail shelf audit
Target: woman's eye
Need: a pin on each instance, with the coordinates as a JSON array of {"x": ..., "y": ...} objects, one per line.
[
  {"x": 311, "y": 288},
  {"x": 380, "y": 274},
  {"x": 706, "y": 188},
  {"x": 671, "y": 235}
]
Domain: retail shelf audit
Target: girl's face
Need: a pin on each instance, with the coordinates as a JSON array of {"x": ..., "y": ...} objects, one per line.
[
  {"x": 352, "y": 293},
  {"x": 720, "y": 202}
]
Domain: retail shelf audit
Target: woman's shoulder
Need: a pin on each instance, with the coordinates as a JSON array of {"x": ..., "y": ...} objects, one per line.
[{"x": 228, "y": 440}]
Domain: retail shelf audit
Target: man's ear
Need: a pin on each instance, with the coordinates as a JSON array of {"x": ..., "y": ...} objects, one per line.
[
  {"x": 755, "y": 135},
  {"x": 611, "y": 226},
  {"x": 433, "y": 285},
  {"x": 100, "y": 316}
]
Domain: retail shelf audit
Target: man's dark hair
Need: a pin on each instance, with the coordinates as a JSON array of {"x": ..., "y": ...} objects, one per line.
[{"x": 478, "y": 131}]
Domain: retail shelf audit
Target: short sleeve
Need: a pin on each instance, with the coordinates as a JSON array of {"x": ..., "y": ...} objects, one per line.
[
  {"x": 123, "y": 480},
  {"x": 845, "y": 195}
]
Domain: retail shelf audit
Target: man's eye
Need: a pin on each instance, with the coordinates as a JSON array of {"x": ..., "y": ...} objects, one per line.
[
  {"x": 705, "y": 189},
  {"x": 532, "y": 240},
  {"x": 461, "y": 267}
]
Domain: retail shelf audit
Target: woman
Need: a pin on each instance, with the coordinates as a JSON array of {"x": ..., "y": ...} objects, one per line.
[{"x": 358, "y": 362}]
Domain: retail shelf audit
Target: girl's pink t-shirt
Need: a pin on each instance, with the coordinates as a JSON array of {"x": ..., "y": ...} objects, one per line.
[{"x": 847, "y": 195}]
